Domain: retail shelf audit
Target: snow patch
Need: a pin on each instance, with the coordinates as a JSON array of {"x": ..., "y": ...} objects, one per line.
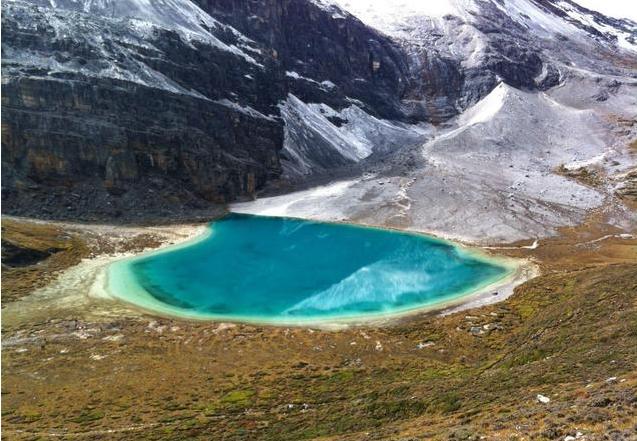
[
  {"x": 300, "y": 116},
  {"x": 246, "y": 110},
  {"x": 622, "y": 36},
  {"x": 326, "y": 85},
  {"x": 287, "y": 204},
  {"x": 486, "y": 108},
  {"x": 575, "y": 165},
  {"x": 390, "y": 17},
  {"x": 144, "y": 16}
]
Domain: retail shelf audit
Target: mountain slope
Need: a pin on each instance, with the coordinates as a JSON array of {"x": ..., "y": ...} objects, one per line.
[
  {"x": 495, "y": 174},
  {"x": 475, "y": 44},
  {"x": 98, "y": 102}
]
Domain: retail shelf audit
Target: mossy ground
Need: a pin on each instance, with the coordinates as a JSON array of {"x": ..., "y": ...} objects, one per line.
[{"x": 570, "y": 334}]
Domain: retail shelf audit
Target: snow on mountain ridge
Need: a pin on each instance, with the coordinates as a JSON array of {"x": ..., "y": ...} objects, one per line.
[
  {"x": 486, "y": 108},
  {"x": 626, "y": 38},
  {"x": 313, "y": 142},
  {"x": 395, "y": 18},
  {"x": 410, "y": 19},
  {"x": 184, "y": 17}
]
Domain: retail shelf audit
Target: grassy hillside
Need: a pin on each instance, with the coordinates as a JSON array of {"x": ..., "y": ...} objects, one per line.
[{"x": 569, "y": 335}]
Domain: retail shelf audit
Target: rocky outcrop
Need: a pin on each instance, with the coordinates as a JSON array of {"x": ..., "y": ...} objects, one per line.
[
  {"x": 61, "y": 133},
  {"x": 326, "y": 45}
]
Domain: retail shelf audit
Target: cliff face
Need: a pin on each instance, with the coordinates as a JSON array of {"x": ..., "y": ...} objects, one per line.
[
  {"x": 325, "y": 44},
  {"x": 166, "y": 103},
  {"x": 62, "y": 132},
  {"x": 131, "y": 105}
]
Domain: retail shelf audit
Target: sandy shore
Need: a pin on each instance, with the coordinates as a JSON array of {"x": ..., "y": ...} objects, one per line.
[{"x": 82, "y": 287}]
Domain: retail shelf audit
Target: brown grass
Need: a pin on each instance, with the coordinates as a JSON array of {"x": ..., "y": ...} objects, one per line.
[
  {"x": 66, "y": 250},
  {"x": 563, "y": 335}
]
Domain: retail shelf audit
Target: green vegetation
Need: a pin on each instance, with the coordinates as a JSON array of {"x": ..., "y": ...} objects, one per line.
[
  {"x": 88, "y": 416},
  {"x": 238, "y": 398}
]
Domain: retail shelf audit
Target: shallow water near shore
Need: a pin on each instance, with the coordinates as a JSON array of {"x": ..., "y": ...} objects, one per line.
[{"x": 283, "y": 270}]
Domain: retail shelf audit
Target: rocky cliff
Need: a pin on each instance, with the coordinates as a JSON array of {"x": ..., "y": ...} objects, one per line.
[
  {"x": 119, "y": 105},
  {"x": 97, "y": 104}
]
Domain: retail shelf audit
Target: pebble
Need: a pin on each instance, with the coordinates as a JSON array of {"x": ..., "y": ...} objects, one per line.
[
  {"x": 543, "y": 399},
  {"x": 476, "y": 330},
  {"x": 424, "y": 345}
]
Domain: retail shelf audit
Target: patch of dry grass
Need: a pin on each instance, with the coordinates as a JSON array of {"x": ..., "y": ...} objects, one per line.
[{"x": 54, "y": 250}]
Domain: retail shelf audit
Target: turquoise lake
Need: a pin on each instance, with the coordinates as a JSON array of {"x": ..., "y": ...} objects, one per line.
[{"x": 269, "y": 269}]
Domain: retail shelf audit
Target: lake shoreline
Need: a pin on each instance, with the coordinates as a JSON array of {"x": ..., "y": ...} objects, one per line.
[{"x": 99, "y": 287}]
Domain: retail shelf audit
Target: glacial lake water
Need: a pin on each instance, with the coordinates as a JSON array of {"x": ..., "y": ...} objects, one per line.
[{"x": 281, "y": 270}]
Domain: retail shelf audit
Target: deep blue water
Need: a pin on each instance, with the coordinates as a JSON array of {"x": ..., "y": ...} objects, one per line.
[{"x": 279, "y": 269}]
